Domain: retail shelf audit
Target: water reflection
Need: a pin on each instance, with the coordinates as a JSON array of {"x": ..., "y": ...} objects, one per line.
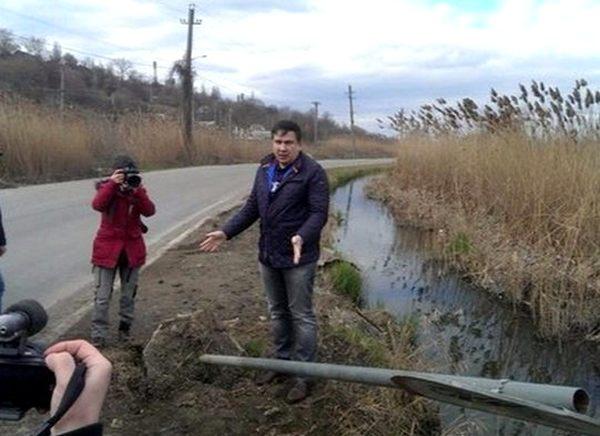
[{"x": 465, "y": 331}]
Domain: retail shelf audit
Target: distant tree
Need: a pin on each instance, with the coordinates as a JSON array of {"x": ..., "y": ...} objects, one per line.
[
  {"x": 56, "y": 54},
  {"x": 7, "y": 42},
  {"x": 123, "y": 66},
  {"x": 215, "y": 93},
  {"x": 88, "y": 63},
  {"x": 70, "y": 60},
  {"x": 35, "y": 46},
  {"x": 176, "y": 71}
]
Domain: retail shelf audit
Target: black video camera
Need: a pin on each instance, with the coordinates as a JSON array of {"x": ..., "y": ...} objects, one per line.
[
  {"x": 25, "y": 380},
  {"x": 132, "y": 176}
]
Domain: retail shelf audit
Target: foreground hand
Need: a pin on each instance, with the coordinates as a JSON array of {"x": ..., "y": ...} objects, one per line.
[
  {"x": 297, "y": 245},
  {"x": 118, "y": 177},
  {"x": 60, "y": 358},
  {"x": 213, "y": 241}
]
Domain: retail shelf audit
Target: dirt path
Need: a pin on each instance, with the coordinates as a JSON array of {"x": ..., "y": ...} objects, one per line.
[{"x": 215, "y": 303}]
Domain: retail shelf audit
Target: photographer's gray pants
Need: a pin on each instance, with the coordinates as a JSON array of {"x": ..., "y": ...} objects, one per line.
[{"x": 105, "y": 278}]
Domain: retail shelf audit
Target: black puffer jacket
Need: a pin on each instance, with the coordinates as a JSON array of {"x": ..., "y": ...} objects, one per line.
[{"x": 300, "y": 206}]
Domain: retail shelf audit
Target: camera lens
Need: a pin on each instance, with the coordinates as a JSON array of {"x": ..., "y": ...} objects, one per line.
[{"x": 134, "y": 180}]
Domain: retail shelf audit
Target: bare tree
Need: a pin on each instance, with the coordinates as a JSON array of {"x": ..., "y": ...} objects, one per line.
[
  {"x": 123, "y": 66},
  {"x": 35, "y": 46},
  {"x": 7, "y": 42},
  {"x": 56, "y": 55}
]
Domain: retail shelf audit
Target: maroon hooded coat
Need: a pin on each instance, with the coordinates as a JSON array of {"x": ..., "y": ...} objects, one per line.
[{"x": 121, "y": 226}]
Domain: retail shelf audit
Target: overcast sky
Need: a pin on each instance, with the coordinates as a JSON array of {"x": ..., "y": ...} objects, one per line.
[{"x": 395, "y": 53}]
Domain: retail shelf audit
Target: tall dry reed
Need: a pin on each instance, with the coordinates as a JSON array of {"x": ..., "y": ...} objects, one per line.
[
  {"x": 527, "y": 212},
  {"x": 41, "y": 145}
]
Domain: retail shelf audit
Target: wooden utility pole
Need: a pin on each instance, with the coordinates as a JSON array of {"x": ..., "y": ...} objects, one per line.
[
  {"x": 316, "y": 121},
  {"x": 187, "y": 83},
  {"x": 62, "y": 89},
  {"x": 351, "y": 99},
  {"x": 229, "y": 123},
  {"x": 154, "y": 83}
]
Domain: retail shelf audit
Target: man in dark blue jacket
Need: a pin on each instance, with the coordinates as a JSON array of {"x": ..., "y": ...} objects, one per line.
[{"x": 291, "y": 197}]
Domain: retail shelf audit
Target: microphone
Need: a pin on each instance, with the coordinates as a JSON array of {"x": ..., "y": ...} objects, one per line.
[{"x": 26, "y": 316}]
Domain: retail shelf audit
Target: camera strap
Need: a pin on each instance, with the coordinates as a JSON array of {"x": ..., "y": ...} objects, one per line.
[{"x": 72, "y": 392}]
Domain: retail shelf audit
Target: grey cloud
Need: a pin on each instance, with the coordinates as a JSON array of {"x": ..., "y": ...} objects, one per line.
[{"x": 384, "y": 94}]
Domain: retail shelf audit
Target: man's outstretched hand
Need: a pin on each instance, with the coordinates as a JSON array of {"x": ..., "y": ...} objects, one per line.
[
  {"x": 213, "y": 241},
  {"x": 297, "y": 245}
]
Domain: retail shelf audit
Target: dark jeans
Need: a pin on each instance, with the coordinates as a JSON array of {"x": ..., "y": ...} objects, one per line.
[{"x": 289, "y": 294}]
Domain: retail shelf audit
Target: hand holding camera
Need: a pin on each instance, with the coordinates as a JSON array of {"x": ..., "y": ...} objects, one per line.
[
  {"x": 61, "y": 358},
  {"x": 70, "y": 378},
  {"x": 128, "y": 177}
]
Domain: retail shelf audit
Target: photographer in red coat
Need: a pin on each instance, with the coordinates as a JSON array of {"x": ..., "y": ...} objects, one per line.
[{"x": 119, "y": 244}]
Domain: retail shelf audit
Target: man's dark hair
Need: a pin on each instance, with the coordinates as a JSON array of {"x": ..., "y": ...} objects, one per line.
[{"x": 284, "y": 126}]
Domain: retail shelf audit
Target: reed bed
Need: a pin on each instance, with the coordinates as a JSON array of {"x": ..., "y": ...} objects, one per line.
[
  {"x": 39, "y": 144},
  {"x": 516, "y": 203}
]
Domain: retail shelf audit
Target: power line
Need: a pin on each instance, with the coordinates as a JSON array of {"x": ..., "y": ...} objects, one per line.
[
  {"x": 203, "y": 77},
  {"x": 99, "y": 56},
  {"x": 64, "y": 29},
  {"x": 87, "y": 53},
  {"x": 167, "y": 6}
]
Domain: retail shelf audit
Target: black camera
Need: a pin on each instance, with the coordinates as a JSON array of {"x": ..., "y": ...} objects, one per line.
[
  {"x": 25, "y": 380},
  {"x": 132, "y": 177}
]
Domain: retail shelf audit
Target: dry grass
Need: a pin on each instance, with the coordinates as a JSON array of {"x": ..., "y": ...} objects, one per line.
[
  {"x": 341, "y": 147},
  {"x": 521, "y": 215},
  {"x": 40, "y": 145},
  {"x": 382, "y": 342}
]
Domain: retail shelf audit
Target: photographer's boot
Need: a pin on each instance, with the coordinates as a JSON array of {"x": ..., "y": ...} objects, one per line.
[{"x": 124, "y": 331}]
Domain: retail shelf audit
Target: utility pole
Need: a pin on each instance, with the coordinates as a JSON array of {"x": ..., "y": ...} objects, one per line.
[
  {"x": 154, "y": 83},
  {"x": 350, "y": 97},
  {"x": 188, "y": 87},
  {"x": 229, "y": 123},
  {"x": 316, "y": 120},
  {"x": 62, "y": 89}
]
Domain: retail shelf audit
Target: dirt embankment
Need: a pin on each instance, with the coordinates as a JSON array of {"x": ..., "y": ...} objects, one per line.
[{"x": 190, "y": 303}]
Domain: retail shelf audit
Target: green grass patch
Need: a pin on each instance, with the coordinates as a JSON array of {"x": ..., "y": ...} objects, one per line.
[
  {"x": 346, "y": 279},
  {"x": 338, "y": 216},
  {"x": 374, "y": 351},
  {"x": 459, "y": 245},
  {"x": 255, "y": 347},
  {"x": 409, "y": 326}
]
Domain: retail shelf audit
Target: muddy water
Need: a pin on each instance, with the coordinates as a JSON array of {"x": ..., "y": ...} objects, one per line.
[{"x": 463, "y": 330}]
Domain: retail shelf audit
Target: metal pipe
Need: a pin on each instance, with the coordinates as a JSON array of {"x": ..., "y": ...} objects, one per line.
[
  {"x": 357, "y": 374},
  {"x": 550, "y": 405}
]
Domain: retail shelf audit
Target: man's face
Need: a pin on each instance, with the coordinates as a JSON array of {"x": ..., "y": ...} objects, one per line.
[{"x": 286, "y": 147}]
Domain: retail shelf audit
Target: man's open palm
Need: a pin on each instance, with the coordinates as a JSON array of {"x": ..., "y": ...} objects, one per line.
[{"x": 213, "y": 241}]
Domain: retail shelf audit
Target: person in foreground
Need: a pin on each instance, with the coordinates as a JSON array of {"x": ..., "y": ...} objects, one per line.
[
  {"x": 290, "y": 195},
  {"x": 82, "y": 419}
]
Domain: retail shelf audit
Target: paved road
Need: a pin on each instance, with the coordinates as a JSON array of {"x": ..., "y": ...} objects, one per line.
[{"x": 50, "y": 227}]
